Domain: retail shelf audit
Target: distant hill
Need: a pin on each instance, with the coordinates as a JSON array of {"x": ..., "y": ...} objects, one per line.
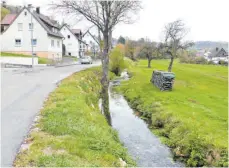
[{"x": 210, "y": 45}]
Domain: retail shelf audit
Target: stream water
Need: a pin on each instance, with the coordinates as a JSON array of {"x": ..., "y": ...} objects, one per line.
[{"x": 141, "y": 143}]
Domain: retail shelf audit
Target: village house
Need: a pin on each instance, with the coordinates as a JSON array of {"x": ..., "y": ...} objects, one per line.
[
  {"x": 216, "y": 55},
  {"x": 73, "y": 44},
  {"x": 30, "y": 32},
  {"x": 92, "y": 44},
  {"x": 217, "y": 52}
]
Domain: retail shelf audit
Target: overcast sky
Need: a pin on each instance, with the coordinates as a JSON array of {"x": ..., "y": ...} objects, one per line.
[{"x": 206, "y": 19}]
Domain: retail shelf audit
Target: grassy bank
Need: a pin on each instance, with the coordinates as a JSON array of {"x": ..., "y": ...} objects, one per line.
[
  {"x": 4, "y": 54},
  {"x": 72, "y": 131},
  {"x": 40, "y": 59},
  {"x": 193, "y": 118}
]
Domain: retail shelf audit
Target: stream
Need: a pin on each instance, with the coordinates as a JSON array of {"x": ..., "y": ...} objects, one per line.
[{"x": 142, "y": 144}]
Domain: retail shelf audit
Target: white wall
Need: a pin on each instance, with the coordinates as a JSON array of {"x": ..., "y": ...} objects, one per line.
[
  {"x": 19, "y": 60},
  {"x": 90, "y": 40},
  {"x": 12, "y": 33},
  {"x": 55, "y": 52},
  {"x": 72, "y": 44}
]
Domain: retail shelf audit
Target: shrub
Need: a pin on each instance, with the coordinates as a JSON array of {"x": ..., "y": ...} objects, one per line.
[
  {"x": 211, "y": 62},
  {"x": 184, "y": 59},
  {"x": 117, "y": 63},
  {"x": 222, "y": 62},
  {"x": 192, "y": 60},
  {"x": 200, "y": 60}
]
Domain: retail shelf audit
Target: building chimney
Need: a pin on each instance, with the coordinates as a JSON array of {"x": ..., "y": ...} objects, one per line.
[
  {"x": 4, "y": 4},
  {"x": 38, "y": 10},
  {"x": 30, "y": 7},
  {"x": 217, "y": 49}
]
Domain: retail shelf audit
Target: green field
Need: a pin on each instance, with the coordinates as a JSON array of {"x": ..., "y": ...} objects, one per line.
[
  {"x": 193, "y": 118},
  {"x": 72, "y": 131}
]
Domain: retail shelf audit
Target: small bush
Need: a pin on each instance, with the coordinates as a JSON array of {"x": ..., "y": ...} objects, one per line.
[
  {"x": 200, "y": 60},
  {"x": 184, "y": 59},
  {"x": 211, "y": 63},
  {"x": 192, "y": 60},
  {"x": 117, "y": 63},
  {"x": 221, "y": 62}
]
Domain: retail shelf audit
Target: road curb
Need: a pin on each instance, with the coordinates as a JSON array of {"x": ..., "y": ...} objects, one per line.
[{"x": 57, "y": 66}]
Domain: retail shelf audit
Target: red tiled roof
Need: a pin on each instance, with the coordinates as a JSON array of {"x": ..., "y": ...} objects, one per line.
[{"x": 8, "y": 19}]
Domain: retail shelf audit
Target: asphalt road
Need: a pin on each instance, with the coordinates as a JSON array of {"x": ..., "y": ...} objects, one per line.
[{"x": 23, "y": 92}]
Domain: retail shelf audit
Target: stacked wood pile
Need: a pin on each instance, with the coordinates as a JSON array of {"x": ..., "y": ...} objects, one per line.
[{"x": 163, "y": 80}]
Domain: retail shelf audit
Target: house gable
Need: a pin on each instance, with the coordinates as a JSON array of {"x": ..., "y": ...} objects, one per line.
[
  {"x": 67, "y": 29},
  {"x": 24, "y": 34},
  {"x": 72, "y": 44},
  {"x": 221, "y": 53}
]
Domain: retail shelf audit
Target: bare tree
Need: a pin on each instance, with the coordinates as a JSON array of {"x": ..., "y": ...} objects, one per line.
[
  {"x": 174, "y": 36},
  {"x": 105, "y": 15},
  {"x": 130, "y": 49},
  {"x": 148, "y": 49}
]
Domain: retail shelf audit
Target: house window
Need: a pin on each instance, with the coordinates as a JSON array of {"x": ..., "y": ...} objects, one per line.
[
  {"x": 20, "y": 26},
  {"x": 17, "y": 42},
  {"x": 68, "y": 36},
  {"x": 58, "y": 44},
  {"x": 54, "y": 30},
  {"x": 30, "y": 26},
  {"x": 52, "y": 43},
  {"x": 69, "y": 54},
  {"x": 34, "y": 42},
  {"x": 25, "y": 13}
]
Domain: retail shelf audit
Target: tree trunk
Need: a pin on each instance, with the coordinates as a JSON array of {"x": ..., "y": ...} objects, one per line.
[
  {"x": 105, "y": 79},
  {"x": 99, "y": 35},
  {"x": 170, "y": 64},
  {"x": 110, "y": 39},
  {"x": 149, "y": 63}
]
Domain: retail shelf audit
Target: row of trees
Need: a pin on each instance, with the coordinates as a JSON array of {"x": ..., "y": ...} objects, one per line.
[{"x": 170, "y": 47}]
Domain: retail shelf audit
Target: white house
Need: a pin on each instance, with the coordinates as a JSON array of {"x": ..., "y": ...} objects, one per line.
[
  {"x": 30, "y": 30},
  {"x": 73, "y": 43},
  {"x": 92, "y": 44}
]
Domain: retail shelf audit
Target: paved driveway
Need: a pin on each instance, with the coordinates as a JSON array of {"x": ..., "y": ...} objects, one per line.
[{"x": 22, "y": 95}]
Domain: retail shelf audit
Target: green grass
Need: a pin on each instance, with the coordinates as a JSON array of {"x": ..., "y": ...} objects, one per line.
[
  {"x": 73, "y": 130},
  {"x": 193, "y": 118},
  {"x": 44, "y": 60},
  {"x": 40, "y": 59},
  {"x": 4, "y": 54}
]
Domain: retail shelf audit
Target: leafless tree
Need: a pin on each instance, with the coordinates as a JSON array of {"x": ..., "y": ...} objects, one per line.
[
  {"x": 148, "y": 49},
  {"x": 131, "y": 49},
  {"x": 105, "y": 15},
  {"x": 174, "y": 36}
]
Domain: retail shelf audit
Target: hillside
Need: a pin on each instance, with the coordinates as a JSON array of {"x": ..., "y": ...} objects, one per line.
[{"x": 210, "y": 45}]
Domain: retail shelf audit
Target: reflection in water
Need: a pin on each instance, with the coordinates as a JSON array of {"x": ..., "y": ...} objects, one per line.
[{"x": 141, "y": 143}]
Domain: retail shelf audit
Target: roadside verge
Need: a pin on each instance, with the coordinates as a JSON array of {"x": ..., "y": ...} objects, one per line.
[{"x": 71, "y": 131}]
